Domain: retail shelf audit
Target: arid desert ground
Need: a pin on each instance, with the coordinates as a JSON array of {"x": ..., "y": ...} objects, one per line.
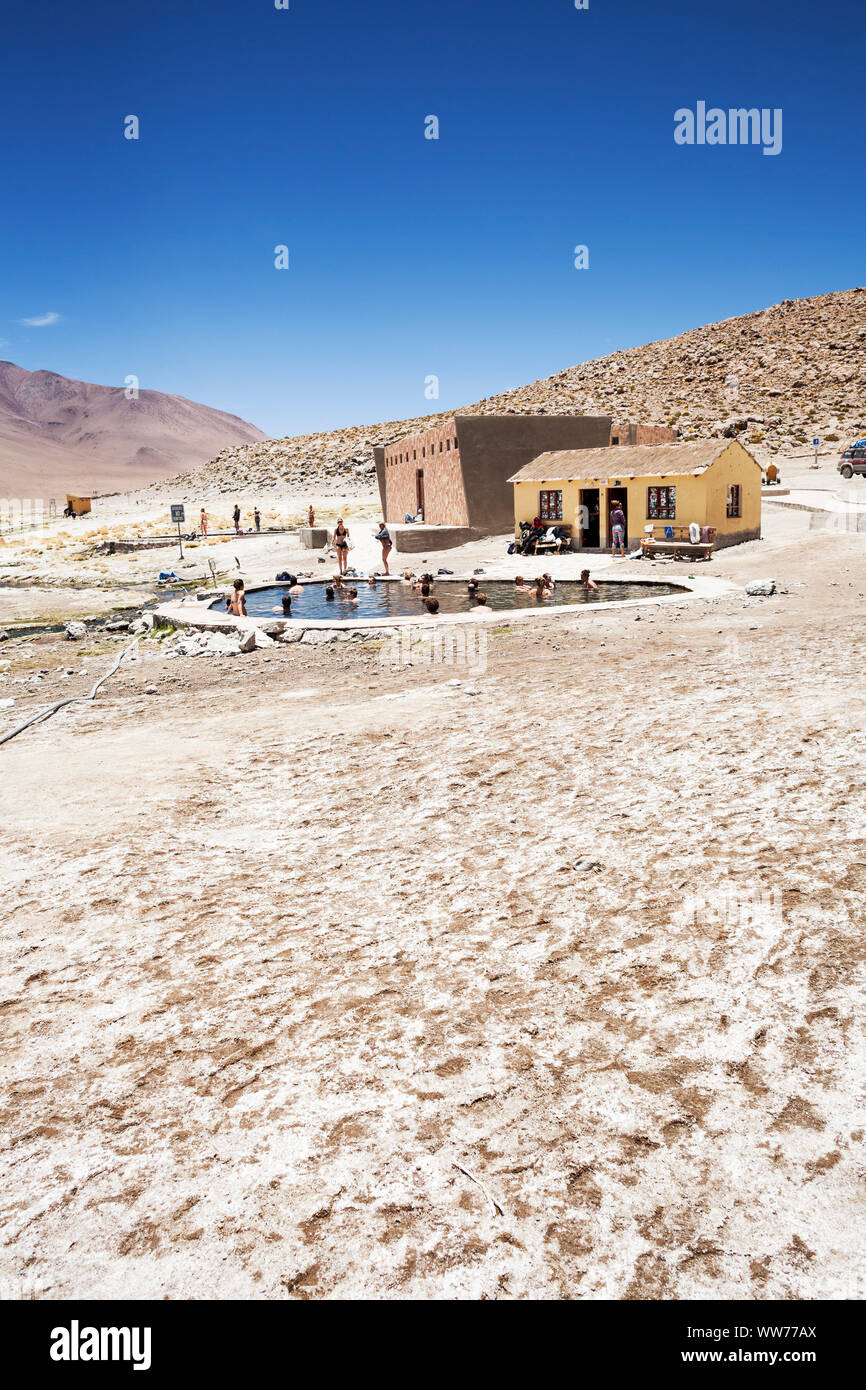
[{"x": 324, "y": 977}]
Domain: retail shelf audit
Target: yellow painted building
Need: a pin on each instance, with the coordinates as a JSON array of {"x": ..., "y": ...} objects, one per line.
[{"x": 714, "y": 483}]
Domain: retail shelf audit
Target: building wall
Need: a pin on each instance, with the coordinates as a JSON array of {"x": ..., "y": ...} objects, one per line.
[
  {"x": 493, "y": 447},
  {"x": 702, "y": 499},
  {"x": 626, "y": 432},
  {"x": 468, "y": 460},
  {"x": 437, "y": 452}
]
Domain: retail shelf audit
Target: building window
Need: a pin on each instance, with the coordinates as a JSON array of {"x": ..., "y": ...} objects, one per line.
[
  {"x": 550, "y": 505},
  {"x": 661, "y": 503},
  {"x": 448, "y": 445},
  {"x": 735, "y": 500}
]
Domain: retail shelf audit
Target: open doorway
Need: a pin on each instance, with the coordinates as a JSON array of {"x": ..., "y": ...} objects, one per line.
[
  {"x": 419, "y": 492},
  {"x": 590, "y": 519},
  {"x": 617, "y": 496}
]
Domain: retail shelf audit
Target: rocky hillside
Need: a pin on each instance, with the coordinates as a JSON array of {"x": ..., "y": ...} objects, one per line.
[{"x": 773, "y": 379}]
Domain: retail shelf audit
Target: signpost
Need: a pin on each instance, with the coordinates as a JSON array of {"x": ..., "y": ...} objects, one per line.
[
  {"x": 177, "y": 514},
  {"x": 816, "y": 444}
]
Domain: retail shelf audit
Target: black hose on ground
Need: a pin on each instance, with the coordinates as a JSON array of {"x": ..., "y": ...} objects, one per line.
[{"x": 71, "y": 700}]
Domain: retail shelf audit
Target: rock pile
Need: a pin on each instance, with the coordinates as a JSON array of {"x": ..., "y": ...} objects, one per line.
[{"x": 772, "y": 379}]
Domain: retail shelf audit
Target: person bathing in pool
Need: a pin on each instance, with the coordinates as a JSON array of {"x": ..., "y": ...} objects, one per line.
[
  {"x": 586, "y": 581},
  {"x": 237, "y": 602}
]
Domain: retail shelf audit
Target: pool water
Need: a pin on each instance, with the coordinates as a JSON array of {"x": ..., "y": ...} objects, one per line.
[{"x": 392, "y": 599}]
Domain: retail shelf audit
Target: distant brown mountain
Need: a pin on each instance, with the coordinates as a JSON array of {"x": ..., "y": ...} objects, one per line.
[{"x": 59, "y": 435}]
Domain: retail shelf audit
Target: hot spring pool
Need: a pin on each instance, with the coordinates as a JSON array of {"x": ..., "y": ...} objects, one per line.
[{"x": 393, "y": 599}]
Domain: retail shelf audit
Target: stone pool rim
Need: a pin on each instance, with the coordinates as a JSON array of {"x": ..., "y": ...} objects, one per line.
[{"x": 194, "y": 613}]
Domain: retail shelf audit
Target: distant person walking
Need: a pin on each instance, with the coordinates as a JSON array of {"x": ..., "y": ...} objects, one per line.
[
  {"x": 383, "y": 536},
  {"x": 341, "y": 541},
  {"x": 257, "y": 518},
  {"x": 311, "y": 517},
  {"x": 236, "y": 518},
  {"x": 202, "y": 524},
  {"x": 617, "y": 530}
]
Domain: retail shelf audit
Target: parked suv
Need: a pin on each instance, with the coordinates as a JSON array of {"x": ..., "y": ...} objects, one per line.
[{"x": 853, "y": 460}]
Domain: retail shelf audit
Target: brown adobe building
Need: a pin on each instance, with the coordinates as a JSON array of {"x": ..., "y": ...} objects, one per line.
[{"x": 456, "y": 473}]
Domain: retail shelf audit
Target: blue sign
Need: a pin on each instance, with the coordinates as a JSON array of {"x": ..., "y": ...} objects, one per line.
[{"x": 815, "y": 443}]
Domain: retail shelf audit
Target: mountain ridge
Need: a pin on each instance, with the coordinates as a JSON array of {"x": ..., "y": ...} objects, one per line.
[
  {"x": 58, "y": 434},
  {"x": 772, "y": 378}
]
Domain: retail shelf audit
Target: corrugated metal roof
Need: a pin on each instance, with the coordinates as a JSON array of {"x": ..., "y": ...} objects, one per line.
[{"x": 623, "y": 461}]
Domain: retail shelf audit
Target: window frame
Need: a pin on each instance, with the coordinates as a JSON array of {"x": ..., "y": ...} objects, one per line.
[
  {"x": 543, "y": 504},
  {"x": 665, "y": 504}
]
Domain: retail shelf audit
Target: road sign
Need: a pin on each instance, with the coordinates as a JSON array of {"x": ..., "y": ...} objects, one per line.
[
  {"x": 177, "y": 514},
  {"x": 816, "y": 443}
]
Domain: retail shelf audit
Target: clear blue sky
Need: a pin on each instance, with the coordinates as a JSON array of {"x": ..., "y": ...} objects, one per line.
[{"x": 409, "y": 257}]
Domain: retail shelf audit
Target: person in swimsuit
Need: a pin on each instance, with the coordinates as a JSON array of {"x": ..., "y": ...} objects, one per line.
[
  {"x": 432, "y": 605},
  {"x": 586, "y": 581},
  {"x": 202, "y": 524},
  {"x": 311, "y": 516},
  {"x": 257, "y": 518},
  {"x": 352, "y": 596},
  {"x": 329, "y": 593},
  {"x": 237, "y": 600},
  {"x": 341, "y": 541},
  {"x": 236, "y": 518},
  {"x": 383, "y": 536}
]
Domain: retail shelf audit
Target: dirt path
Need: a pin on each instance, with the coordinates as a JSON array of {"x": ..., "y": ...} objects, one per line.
[{"x": 286, "y": 942}]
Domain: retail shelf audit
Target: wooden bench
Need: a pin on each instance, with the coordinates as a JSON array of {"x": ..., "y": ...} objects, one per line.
[
  {"x": 680, "y": 544},
  {"x": 550, "y": 547}
]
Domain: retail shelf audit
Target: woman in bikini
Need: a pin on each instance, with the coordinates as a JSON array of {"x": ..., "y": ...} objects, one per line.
[
  {"x": 238, "y": 600},
  {"x": 341, "y": 541},
  {"x": 202, "y": 524}
]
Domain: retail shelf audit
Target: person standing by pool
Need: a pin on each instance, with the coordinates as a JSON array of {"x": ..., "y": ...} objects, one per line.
[
  {"x": 202, "y": 524},
  {"x": 236, "y": 518},
  {"x": 311, "y": 517},
  {"x": 383, "y": 536},
  {"x": 341, "y": 541},
  {"x": 617, "y": 529},
  {"x": 257, "y": 518}
]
